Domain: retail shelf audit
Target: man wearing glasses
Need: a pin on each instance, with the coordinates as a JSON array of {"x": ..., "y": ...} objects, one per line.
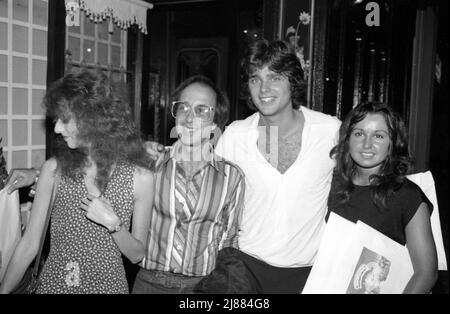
[{"x": 198, "y": 197}]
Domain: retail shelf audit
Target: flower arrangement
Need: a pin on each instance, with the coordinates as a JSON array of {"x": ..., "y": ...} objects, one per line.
[
  {"x": 304, "y": 18},
  {"x": 293, "y": 34},
  {"x": 3, "y": 172}
]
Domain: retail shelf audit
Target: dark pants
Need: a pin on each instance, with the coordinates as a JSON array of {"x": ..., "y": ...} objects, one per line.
[
  {"x": 267, "y": 279},
  {"x": 161, "y": 282}
]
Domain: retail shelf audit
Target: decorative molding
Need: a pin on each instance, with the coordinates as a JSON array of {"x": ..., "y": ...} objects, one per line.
[
  {"x": 341, "y": 60},
  {"x": 317, "y": 69},
  {"x": 421, "y": 104}
]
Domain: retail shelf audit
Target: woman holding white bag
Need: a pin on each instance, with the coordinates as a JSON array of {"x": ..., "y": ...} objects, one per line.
[{"x": 370, "y": 185}]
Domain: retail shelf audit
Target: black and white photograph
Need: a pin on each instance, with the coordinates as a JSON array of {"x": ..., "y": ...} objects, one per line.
[{"x": 235, "y": 154}]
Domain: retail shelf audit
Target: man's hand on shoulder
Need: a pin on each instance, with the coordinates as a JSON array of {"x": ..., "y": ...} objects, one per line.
[{"x": 154, "y": 149}]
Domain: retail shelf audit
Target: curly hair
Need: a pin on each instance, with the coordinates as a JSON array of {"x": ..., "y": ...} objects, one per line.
[
  {"x": 279, "y": 59},
  {"x": 222, "y": 109},
  {"x": 394, "y": 168},
  {"x": 104, "y": 122}
]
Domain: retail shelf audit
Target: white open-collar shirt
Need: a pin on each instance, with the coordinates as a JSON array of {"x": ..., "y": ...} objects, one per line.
[{"x": 283, "y": 215}]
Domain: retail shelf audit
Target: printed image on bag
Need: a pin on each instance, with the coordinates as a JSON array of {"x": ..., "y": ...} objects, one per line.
[{"x": 370, "y": 272}]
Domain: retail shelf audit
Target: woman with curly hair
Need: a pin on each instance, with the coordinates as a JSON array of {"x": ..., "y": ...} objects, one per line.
[
  {"x": 370, "y": 184},
  {"x": 105, "y": 188}
]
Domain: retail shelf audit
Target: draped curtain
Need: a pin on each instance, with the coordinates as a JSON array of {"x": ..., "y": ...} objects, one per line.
[{"x": 123, "y": 13}]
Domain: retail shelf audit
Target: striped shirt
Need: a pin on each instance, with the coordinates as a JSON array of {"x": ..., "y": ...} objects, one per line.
[{"x": 193, "y": 219}]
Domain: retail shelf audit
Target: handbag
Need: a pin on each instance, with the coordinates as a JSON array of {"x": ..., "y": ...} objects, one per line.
[{"x": 30, "y": 282}]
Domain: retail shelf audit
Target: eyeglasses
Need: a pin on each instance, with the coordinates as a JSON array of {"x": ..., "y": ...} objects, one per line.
[{"x": 201, "y": 111}]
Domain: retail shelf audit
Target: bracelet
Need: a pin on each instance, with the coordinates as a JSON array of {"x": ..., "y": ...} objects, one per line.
[{"x": 116, "y": 228}]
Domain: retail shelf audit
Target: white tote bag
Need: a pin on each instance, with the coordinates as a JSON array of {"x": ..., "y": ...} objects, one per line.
[
  {"x": 426, "y": 182},
  {"x": 356, "y": 259},
  {"x": 10, "y": 228}
]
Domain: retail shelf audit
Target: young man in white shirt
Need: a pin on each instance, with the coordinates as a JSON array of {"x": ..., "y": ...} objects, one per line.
[{"x": 283, "y": 150}]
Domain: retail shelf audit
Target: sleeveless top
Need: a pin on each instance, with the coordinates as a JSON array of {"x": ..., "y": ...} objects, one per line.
[{"x": 83, "y": 256}]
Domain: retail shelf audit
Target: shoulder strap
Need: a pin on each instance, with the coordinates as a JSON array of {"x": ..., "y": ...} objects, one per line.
[{"x": 47, "y": 220}]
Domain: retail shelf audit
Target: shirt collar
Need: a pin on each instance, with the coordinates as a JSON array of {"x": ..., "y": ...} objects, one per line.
[
  {"x": 213, "y": 159},
  {"x": 257, "y": 116}
]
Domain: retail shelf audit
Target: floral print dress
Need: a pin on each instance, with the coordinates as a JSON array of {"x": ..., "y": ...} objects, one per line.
[{"x": 83, "y": 257}]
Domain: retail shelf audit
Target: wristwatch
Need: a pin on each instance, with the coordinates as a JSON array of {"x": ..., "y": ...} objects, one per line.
[{"x": 116, "y": 228}]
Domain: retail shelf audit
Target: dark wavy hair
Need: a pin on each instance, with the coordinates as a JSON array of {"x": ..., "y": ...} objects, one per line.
[
  {"x": 279, "y": 59},
  {"x": 222, "y": 110},
  {"x": 392, "y": 171},
  {"x": 103, "y": 119}
]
